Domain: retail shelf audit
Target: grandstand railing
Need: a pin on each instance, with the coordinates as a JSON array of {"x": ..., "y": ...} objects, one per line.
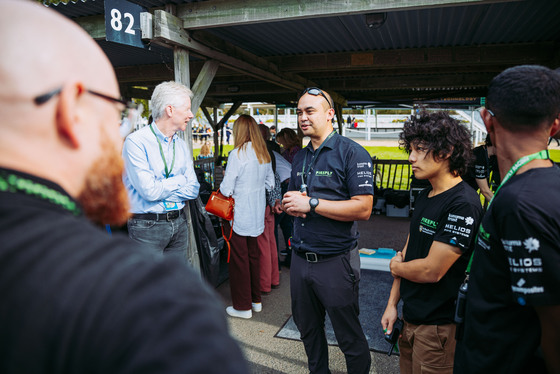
[{"x": 394, "y": 174}]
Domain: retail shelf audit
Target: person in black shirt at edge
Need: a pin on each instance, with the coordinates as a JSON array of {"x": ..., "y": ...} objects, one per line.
[
  {"x": 512, "y": 316},
  {"x": 75, "y": 299},
  {"x": 478, "y": 176},
  {"x": 431, "y": 267},
  {"x": 331, "y": 186}
]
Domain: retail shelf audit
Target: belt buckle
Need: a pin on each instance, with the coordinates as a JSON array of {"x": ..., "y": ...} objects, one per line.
[
  {"x": 169, "y": 216},
  {"x": 311, "y": 257}
]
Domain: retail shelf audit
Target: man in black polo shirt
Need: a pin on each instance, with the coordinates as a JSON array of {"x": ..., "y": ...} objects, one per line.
[
  {"x": 431, "y": 267},
  {"x": 331, "y": 187},
  {"x": 73, "y": 298},
  {"x": 512, "y": 316}
]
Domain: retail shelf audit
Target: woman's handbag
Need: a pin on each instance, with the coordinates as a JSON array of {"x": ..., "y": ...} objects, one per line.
[{"x": 220, "y": 206}]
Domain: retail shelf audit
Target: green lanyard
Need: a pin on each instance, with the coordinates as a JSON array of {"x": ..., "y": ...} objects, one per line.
[
  {"x": 167, "y": 172},
  {"x": 542, "y": 155},
  {"x": 313, "y": 159},
  {"x": 14, "y": 184}
]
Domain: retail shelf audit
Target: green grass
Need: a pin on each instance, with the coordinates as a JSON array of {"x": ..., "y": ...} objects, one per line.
[
  {"x": 384, "y": 153},
  {"x": 387, "y": 153},
  {"x": 394, "y": 153},
  {"x": 226, "y": 150}
]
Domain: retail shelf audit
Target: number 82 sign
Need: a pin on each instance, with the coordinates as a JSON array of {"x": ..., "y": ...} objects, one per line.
[{"x": 122, "y": 22}]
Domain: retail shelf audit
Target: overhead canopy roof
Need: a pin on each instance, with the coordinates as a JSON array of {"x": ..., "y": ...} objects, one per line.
[{"x": 416, "y": 50}]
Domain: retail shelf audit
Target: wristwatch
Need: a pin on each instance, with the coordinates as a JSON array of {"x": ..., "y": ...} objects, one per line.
[{"x": 313, "y": 202}]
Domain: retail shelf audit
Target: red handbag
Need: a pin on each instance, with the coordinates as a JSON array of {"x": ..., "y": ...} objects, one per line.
[
  {"x": 223, "y": 207},
  {"x": 220, "y": 206}
]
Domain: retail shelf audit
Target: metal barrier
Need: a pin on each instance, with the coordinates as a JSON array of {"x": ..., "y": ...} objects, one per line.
[
  {"x": 394, "y": 174},
  {"x": 206, "y": 165}
]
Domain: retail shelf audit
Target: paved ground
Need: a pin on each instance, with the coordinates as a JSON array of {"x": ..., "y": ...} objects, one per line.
[{"x": 268, "y": 354}]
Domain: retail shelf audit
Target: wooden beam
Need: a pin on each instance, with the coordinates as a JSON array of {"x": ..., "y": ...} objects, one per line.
[
  {"x": 203, "y": 82},
  {"x": 220, "y": 13},
  {"x": 181, "y": 66},
  {"x": 420, "y": 58},
  {"x": 168, "y": 31},
  {"x": 94, "y": 26}
]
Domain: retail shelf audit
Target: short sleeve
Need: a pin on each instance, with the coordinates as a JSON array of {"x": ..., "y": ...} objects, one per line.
[
  {"x": 532, "y": 247},
  {"x": 359, "y": 172},
  {"x": 481, "y": 163},
  {"x": 458, "y": 226}
]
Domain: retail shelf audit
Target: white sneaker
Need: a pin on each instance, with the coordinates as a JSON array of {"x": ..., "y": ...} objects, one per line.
[
  {"x": 257, "y": 307},
  {"x": 239, "y": 313}
]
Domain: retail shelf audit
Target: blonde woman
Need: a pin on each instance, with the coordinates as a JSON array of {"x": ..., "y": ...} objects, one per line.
[
  {"x": 205, "y": 151},
  {"x": 248, "y": 174}
]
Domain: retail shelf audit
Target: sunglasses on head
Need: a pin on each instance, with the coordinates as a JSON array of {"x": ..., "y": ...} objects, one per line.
[{"x": 316, "y": 92}]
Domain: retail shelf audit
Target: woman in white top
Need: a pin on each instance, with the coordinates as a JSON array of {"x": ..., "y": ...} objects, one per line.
[{"x": 247, "y": 174}]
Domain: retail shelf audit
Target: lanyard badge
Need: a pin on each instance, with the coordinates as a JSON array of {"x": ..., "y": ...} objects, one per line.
[
  {"x": 303, "y": 187},
  {"x": 167, "y": 170}
]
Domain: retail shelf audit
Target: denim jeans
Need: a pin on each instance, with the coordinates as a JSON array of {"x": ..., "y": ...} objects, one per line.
[{"x": 170, "y": 237}]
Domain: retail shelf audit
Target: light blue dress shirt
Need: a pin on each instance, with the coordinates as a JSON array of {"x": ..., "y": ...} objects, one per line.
[
  {"x": 144, "y": 177},
  {"x": 246, "y": 180}
]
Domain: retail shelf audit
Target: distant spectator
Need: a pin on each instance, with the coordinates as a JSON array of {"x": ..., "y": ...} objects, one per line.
[
  {"x": 205, "y": 151},
  {"x": 290, "y": 142},
  {"x": 485, "y": 163},
  {"x": 270, "y": 277}
]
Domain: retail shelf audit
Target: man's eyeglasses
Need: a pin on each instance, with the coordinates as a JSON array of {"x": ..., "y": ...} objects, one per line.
[
  {"x": 129, "y": 111},
  {"x": 316, "y": 92}
]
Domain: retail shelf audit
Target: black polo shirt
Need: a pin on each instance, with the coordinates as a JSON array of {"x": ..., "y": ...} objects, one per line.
[{"x": 342, "y": 169}]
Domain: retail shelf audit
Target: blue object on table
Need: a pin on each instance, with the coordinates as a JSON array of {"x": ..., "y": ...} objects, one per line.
[{"x": 385, "y": 253}]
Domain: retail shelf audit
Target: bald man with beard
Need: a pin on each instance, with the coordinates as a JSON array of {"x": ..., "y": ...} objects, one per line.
[{"x": 73, "y": 298}]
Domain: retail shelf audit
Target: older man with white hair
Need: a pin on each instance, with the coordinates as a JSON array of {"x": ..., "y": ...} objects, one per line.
[{"x": 160, "y": 175}]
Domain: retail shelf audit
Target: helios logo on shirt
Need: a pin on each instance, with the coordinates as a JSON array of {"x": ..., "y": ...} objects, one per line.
[{"x": 321, "y": 173}]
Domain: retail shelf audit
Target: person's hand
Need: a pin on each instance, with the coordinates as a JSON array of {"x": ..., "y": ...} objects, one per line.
[
  {"x": 388, "y": 319},
  {"x": 395, "y": 260},
  {"x": 296, "y": 203},
  {"x": 277, "y": 209}
]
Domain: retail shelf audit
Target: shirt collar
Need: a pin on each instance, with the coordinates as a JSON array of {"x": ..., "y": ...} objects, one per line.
[
  {"x": 160, "y": 135},
  {"x": 330, "y": 144}
]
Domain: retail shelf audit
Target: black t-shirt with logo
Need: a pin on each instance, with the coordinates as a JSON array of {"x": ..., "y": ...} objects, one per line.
[
  {"x": 516, "y": 266},
  {"x": 483, "y": 166},
  {"x": 450, "y": 217}
]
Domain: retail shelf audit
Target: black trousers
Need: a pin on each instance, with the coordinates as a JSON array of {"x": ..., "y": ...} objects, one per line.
[{"x": 331, "y": 286}]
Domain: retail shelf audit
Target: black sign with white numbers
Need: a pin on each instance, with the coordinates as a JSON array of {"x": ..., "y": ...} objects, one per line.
[{"x": 122, "y": 22}]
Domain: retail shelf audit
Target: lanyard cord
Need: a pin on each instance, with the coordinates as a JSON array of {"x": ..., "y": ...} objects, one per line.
[
  {"x": 314, "y": 158},
  {"x": 542, "y": 155},
  {"x": 14, "y": 184},
  {"x": 167, "y": 172}
]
